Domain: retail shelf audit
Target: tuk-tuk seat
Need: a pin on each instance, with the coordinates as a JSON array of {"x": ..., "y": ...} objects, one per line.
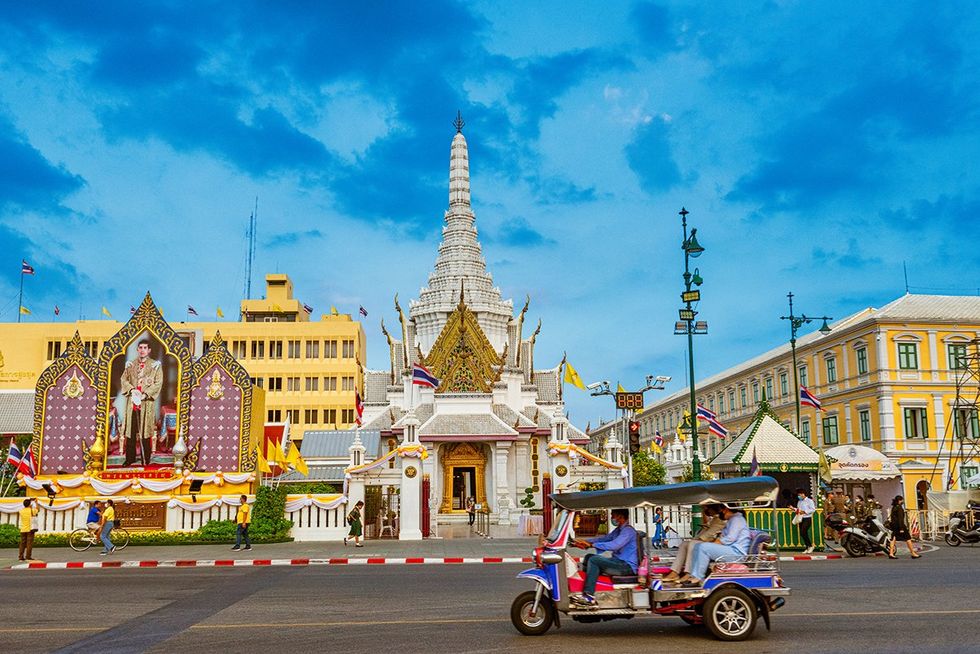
[{"x": 624, "y": 579}]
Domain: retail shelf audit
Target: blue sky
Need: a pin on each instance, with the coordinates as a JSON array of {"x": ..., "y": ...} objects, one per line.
[{"x": 816, "y": 145}]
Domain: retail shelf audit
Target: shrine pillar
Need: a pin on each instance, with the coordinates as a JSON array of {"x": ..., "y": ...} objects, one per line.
[{"x": 412, "y": 453}]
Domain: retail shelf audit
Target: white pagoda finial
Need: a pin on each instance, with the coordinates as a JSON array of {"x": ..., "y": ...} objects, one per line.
[{"x": 459, "y": 168}]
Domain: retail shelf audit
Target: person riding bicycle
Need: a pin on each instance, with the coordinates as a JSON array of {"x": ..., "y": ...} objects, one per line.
[
  {"x": 106, "y": 524},
  {"x": 94, "y": 518}
]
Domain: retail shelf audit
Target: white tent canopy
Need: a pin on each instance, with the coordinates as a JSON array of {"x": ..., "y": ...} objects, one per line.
[{"x": 859, "y": 463}]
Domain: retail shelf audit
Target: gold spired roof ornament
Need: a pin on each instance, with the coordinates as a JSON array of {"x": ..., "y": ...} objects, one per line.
[{"x": 462, "y": 356}]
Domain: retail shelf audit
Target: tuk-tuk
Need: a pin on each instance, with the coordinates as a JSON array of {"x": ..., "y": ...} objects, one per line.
[{"x": 730, "y": 600}]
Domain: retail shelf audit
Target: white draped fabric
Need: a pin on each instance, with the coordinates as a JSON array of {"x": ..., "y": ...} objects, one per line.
[
  {"x": 14, "y": 507},
  {"x": 324, "y": 502},
  {"x": 153, "y": 485}
]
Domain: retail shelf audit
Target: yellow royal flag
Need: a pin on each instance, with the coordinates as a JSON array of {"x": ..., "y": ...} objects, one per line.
[
  {"x": 571, "y": 376},
  {"x": 619, "y": 388},
  {"x": 105, "y": 312},
  {"x": 296, "y": 460},
  {"x": 275, "y": 454},
  {"x": 262, "y": 464},
  {"x": 684, "y": 421},
  {"x": 277, "y": 308},
  {"x": 333, "y": 311},
  {"x": 24, "y": 310},
  {"x": 656, "y": 448},
  {"x": 221, "y": 314}
]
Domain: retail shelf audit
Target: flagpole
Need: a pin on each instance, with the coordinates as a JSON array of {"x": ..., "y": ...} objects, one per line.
[{"x": 20, "y": 297}]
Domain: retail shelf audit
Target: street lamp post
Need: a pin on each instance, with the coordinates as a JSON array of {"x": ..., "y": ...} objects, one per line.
[
  {"x": 687, "y": 325},
  {"x": 795, "y": 322}
]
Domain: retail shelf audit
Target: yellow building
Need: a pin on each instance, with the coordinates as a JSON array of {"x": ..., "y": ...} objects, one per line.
[
  {"x": 887, "y": 379},
  {"x": 309, "y": 369}
]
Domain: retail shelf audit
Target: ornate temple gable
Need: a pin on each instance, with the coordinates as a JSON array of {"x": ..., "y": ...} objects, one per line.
[{"x": 462, "y": 356}]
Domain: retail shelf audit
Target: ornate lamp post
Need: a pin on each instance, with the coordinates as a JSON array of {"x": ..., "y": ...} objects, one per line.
[
  {"x": 795, "y": 322},
  {"x": 687, "y": 326}
]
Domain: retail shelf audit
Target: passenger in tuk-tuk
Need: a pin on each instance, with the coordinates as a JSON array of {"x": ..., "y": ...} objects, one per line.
[
  {"x": 621, "y": 542},
  {"x": 733, "y": 541},
  {"x": 710, "y": 529}
]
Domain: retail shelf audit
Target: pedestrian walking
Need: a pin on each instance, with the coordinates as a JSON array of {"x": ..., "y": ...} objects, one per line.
[
  {"x": 899, "y": 526},
  {"x": 28, "y": 528},
  {"x": 108, "y": 522},
  {"x": 242, "y": 520},
  {"x": 354, "y": 520},
  {"x": 805, "y": 508},
  {"x": 471, "y": 509},
  {"x": 658, "y": 528}
]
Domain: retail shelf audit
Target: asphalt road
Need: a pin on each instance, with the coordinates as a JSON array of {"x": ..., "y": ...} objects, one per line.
[{"x": 862, "y": 605}]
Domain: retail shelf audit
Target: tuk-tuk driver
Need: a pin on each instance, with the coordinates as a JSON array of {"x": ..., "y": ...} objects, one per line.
[{"x": 621, "y": 542}]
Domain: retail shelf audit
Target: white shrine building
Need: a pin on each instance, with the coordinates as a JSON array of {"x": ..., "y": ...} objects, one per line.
[{"x": 495, "y": 426}]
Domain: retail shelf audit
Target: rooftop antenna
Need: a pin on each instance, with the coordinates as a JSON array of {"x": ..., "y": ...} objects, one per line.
[
  {"x": 250, "y": 253},
  {"x": 906, "y": 271}
]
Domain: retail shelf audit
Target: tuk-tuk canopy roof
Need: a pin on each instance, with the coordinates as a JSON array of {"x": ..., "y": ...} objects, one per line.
[{"x": 743, "y": 489}]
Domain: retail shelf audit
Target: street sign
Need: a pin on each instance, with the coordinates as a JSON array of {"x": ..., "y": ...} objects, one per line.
[{"x": 629, "y": 401}]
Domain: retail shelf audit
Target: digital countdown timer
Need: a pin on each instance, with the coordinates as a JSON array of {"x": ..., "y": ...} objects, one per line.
[{"x": 629, "y": 401}]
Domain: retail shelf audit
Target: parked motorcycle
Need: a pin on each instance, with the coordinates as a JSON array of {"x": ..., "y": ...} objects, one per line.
[
  {"x": 862, "y": 537},
  {"x": 957, "y": 531}
]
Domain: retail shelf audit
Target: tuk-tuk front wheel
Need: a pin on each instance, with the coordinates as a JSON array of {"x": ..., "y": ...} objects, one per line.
[
  {"x": 532, "y": 625},
  {"x": 730, "y": 614}
]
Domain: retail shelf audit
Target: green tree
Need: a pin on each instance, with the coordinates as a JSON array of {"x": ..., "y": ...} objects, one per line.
[{"x": 647, "y": 471}]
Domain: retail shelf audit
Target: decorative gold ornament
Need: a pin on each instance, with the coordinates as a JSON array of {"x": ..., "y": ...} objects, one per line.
[
  {"x": 411, "y": 471},
  {"x": 216, "y": 390},
  {"x": 93, "y": 456},
  {"x": 463, "y": 357},
  {"x": 561, "y": 471},
  {"x": 73, "y": 388}
]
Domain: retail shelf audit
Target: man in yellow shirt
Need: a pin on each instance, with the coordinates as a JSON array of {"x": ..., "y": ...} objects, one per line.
[
  {"x": 27, "y": 529},
  {"x": 108, "y": 521},
  {"x": 243, "y": 519}
]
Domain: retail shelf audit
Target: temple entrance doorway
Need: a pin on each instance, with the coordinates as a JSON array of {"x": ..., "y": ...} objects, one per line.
[
  {"x": 463, "y": 475},
  {"x": 464, "y": 486}
]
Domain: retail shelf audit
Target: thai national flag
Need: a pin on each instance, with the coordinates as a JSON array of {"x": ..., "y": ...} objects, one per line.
[
  {"x": 191, "y": 310},
  {"x": 422, "y": 377},
  {"x": 307, "y": 308},
  {"x": 363, "y": 311},
  {"x": 658, "y": 439},
  {"x": 755, "y": 470},
  {"x": 714, "y": 426},
  {"x": 13, "y": 454},
  {"x": 26, "y": 464},
  {"x": 358, "y": 407},
  {"x": 809, "y": 399},
  {"x": 26, "y": 268}
]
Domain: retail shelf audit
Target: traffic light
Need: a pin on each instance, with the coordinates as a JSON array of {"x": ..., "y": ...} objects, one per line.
[{"x": 634, "y": 432}]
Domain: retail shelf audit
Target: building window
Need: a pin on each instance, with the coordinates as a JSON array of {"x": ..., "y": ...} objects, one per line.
[
  {"x": 348, "y": 384},
  {"x": 258, "y": 381},
  {"x": 731, "y": 401},
  {"x": 258, "y": 349},
  {"x": 711, "y": 404},
  {"x": 270, "y": 319},
  {"x": 311, "y": 416},
  {"x": 292, "y": 383},
  {"x": 329, "y": 383},
  {"x": 830, "y": 435},
  {"x": 293, "y": 415},
  {"x": 312, "y": 383},
  {"x": 755, "y": 392},
  {"x": 965, "y": 424},
  {"x": 783, "y": 384},
  {"x": 348, "y": 349},
  {"x": 292, "y": 350},
  {"x": 312, "y": 349},
  {"x": 721, "y": 403},
  {"x": 238, "y": 349},
  {"x": 275, "y": 383},
  {"x": 862, "y": 357},
  {"x": 329, "y": 349},
  {"x": 864, "y": 423},
  {"x": 916, "y": 423},
  {"x": 347, "y": 416},
  {"x": 769, "y": 393},
  {"x": 274, "y": 415},
  {"x": 330, "y": 417},
  {"x": 908, "y": 356},
  {"x": 92, "y": 348},
  {"x": 804, "y": 380},
  {"x": 956, "y": 353},
  {"x": 968, "y": 472},
  {"x": 805, "y": 431},
  {"x": 741, "y": 392},
  {"x": 831, "y": 370},
  {"x": 712, "y": 446},
  {"x": 54, "y": 349},
  {"x": 275, "y": 349}
]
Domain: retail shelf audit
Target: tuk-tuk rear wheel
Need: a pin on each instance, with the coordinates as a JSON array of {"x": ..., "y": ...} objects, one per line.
[
  {"x": 730, "y": 614},
  {"x": 524, "y": 622}
]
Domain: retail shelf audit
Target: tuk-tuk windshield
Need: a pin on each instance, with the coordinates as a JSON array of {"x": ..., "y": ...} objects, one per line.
[{"x": 556, "y": 529}]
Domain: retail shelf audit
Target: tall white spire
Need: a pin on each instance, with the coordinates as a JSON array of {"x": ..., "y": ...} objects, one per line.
[{"x": 460, "y": 264}]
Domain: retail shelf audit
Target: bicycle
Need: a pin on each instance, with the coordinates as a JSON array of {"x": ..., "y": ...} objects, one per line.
[{"x": 81, "y": 539}]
